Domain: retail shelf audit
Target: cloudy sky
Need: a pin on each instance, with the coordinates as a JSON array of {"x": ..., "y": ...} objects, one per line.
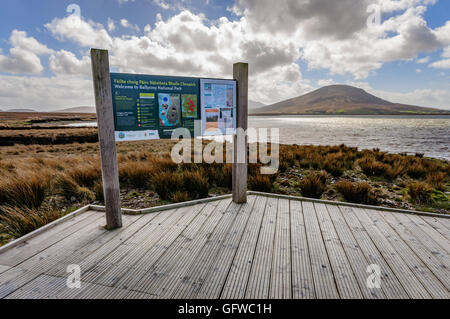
[{"x": 292, "y": 46}]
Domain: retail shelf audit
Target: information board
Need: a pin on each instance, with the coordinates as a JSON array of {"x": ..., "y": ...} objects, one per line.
[
  {"x": 150, "y": 107},
  {"x": 218, "y": 106}
]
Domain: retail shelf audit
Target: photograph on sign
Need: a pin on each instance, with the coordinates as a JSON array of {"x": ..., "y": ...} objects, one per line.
[
  {"x": 218, "y": 106},
  {"x": 150, "y": 107},
  {"x": 169, "y": 109}
]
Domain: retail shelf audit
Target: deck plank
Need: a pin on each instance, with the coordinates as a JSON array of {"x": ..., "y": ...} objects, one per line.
[
  {"x": 445, "y": 222},
  {"x": 391, "y": 286},
  {"x": 324, "y": 283},
  {"x": 346, "y": 282},
  {"x": 181, "y": 251},
  {"x": 13, "y": 279},
  {"x": 118, "y": 238},
  {"x": 430, "y": 231},
  {"x": 437, "y": 225},
  {"x": 259, "y": 280},
  {"x": 236, "y": 282},
  {"x": 197, "y": 255},
  {"x": 425, "y": 239},
  {"x": 80, "y": 255},
  {"x": 428, "y": 258},
  {"x": 281, "y": 283},
  {"x": 118, "y": 263},
  {"x": 302, "y": 279},
  {"x": 141, "y": 267},
  {"x": 426, "y": 277},
  {"x": 355, "y": 255},
  {"x": 192, "y": 280},
  {"x": 4, "y": 268},
  {"x": 28, "y": 249},
  {"x": 399, "y": 267},
  {"x": 42, "y": 287},
  {"x": 55, "y": 254},
  {"x": 270, "y": 247}
]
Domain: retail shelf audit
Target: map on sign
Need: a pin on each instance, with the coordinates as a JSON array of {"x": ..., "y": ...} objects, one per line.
[
  {"x": 218, "y": 104},
  {"x": 151, "y": 107}
]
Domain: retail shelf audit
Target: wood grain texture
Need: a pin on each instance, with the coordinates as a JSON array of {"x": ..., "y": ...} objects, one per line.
[
  {"x": 239, "y": 173},
  {"x": 266, "y": 248},
  {"x": 106, "y": 135}
]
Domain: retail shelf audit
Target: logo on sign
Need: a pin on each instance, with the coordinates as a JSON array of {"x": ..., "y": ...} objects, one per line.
[{"x": 121, "y": 135}]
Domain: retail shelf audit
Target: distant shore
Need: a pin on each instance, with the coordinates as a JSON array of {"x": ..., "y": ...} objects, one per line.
[{"x": 350, "y": 114}]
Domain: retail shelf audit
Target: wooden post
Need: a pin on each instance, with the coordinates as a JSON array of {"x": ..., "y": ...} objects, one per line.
[
  {"x": 106, "y": 136},
  {"x": 239, "y": 175}
]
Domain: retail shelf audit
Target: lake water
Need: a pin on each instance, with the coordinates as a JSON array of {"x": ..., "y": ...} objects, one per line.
[{"x": 412, "y": 134}]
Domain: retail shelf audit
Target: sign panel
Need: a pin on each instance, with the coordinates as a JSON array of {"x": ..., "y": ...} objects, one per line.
[
  {"x": 150, "y": 107},
  {"x": 218, "y": 105}
]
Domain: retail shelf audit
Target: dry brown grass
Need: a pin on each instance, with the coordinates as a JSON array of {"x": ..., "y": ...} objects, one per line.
[
  {"x": 23, "y": 188},
  {"x": 371, "y": 167},
  {"x": 420, "y": 192},
  {"x": 314, "y": 184},
  {"x": 32, "y": 175},
  {"x": 260, "y": 183},
  {"x": 356, "y": 192},
  {"x": 437, "y": 179},
  {"x": 18, "y": 221}
]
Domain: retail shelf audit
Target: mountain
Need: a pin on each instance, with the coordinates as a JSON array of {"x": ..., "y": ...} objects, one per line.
[
  {"x": 254, "y": 106},
  {"x": 80, "y": 109},
  {"x": 21, "y": 111},
  {"x": 342, "y": 99}
]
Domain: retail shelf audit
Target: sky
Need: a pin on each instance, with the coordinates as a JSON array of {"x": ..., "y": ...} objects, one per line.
[{"x": 398, "y": 50}]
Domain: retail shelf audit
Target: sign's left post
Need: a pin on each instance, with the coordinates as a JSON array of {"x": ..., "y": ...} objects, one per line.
[{"x": 106, "y": 135}]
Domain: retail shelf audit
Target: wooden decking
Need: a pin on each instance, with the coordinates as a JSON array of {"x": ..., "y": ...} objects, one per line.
[{"x": 268, "y": 248}]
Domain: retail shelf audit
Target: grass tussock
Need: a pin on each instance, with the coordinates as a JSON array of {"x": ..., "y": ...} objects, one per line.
[
  {"x": 420, "y": 192},
  {"x": 314, "y": 184},
  {"x": 62, "y": 176},
  {"x": 18, "y": 221},
  {"x": 356, "y": 192},
  {"x": 24, "y": 189},
  {"x": 437, "y": 180},
  {"x": 260, "y": 183}
]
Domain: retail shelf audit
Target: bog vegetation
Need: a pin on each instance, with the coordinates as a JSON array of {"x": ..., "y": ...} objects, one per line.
[{"x": 41, "y": 183}]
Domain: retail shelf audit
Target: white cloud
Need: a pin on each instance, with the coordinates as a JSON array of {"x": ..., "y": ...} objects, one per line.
[
  {"x": 420, "y": 97},
  {"x": 45, "y": 93},
  {"x": 423, "y": 60},
  {"x": 189, "y": 44},
  {"x": 272, "y": 36},
  {"x": 326, "y": 82},
  {"x": 81, "y": 32},
  {"x": 24, "y": 55},
  {"x": 162, "y": 4},
  {"x": 111, "y": 25},
  {"x": 333, "y": 35},
  {"x": 19, "y": 39},
  {"x": 126, "y": 24},
  {"x": 66, "y": 63},
  {"x": 442, "y": 64}
]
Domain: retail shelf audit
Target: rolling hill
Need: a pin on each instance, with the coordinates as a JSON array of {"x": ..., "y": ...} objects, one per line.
[
  {"x": 342, "y": 100},
  {"x": 80, "y": 109},
  {"x": 21, "y": 111}
]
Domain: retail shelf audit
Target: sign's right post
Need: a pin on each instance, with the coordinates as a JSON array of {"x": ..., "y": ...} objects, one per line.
[{"x": 239, "y": 175}]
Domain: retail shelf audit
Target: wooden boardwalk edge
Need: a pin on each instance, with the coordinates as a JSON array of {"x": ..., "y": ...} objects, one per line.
[{"x": 128, "y": 211}]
